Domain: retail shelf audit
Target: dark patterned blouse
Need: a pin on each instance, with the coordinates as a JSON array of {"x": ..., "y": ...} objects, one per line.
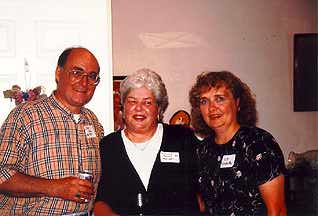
[{"x": 229, "y": 174}]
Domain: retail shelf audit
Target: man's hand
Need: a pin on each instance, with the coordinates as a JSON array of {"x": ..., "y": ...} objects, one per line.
[
  {"x": 69, "y": 188},
  {"x": 72, "y": 188}
]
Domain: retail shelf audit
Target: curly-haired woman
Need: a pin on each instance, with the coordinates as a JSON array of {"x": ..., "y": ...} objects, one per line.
[{"x": 240, "y": 165}]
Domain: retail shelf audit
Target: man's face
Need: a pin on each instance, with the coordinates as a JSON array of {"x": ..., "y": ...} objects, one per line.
[{"x": 74, "y": 82}]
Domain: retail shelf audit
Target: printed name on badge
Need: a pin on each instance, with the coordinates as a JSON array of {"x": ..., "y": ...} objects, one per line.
[
  {"x": 227, "y": 161},
  {"x": 89, "y": 131},
  {"x": 169, "y": 157}
]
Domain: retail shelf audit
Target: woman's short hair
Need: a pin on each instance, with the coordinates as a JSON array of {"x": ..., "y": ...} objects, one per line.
[
  {"x": 151, "y": 80},
  {"x": 246, "y": 114}
]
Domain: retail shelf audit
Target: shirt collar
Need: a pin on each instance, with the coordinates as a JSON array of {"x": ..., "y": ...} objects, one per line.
[{"x": 60, "y": 106}]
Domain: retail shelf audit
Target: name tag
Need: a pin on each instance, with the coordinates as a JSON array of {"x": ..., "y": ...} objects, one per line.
[
  {"x": 89, "y": 131},
  {"x": 227, "y": 161},
  {"x": 169, "y": 157}
]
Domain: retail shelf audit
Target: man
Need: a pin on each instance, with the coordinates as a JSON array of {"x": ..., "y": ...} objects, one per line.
[{"x": 45, "y": 144}]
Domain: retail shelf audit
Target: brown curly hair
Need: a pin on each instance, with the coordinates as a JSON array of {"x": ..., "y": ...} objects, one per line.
[{"x": 246, "y": 114}]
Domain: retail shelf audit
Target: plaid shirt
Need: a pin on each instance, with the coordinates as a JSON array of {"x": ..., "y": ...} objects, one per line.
[{"x": 41, "y": 139}]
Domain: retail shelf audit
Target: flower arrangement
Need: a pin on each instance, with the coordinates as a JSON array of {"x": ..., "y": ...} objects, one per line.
[{"x": 20, "y": 96}]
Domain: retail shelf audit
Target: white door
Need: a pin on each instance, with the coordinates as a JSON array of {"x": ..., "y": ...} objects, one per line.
[{"x": 32, "y": 35}]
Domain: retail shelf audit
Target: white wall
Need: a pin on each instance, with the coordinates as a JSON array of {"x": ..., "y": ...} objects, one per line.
[
  {"x": 253, "y": 39},
  {"x": 39, "y": 31}
]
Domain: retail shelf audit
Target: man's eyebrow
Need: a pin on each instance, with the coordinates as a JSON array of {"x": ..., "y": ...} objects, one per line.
[
  {"x": 77, "y": 68},
  {"x": 81, "y": 69}
]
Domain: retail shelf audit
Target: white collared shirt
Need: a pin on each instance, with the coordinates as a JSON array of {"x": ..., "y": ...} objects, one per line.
[{"x": 143, "y": 155}]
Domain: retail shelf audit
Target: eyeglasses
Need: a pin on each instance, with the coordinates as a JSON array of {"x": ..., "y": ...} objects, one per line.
[{"x": 92, "y": 78}]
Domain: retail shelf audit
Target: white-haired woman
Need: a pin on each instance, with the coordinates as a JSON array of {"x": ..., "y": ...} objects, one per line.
[{"x": 148, "y": 166}]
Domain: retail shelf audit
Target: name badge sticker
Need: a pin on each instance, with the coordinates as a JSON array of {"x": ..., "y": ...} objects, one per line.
[
  {"x": 227, "y": 161},
  {"x": 169, "y": 157},
  {"x": 89, "y": 131}
]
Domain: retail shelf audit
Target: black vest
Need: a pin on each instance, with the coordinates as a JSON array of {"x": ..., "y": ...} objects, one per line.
[{"x": 172, "y": 186}]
